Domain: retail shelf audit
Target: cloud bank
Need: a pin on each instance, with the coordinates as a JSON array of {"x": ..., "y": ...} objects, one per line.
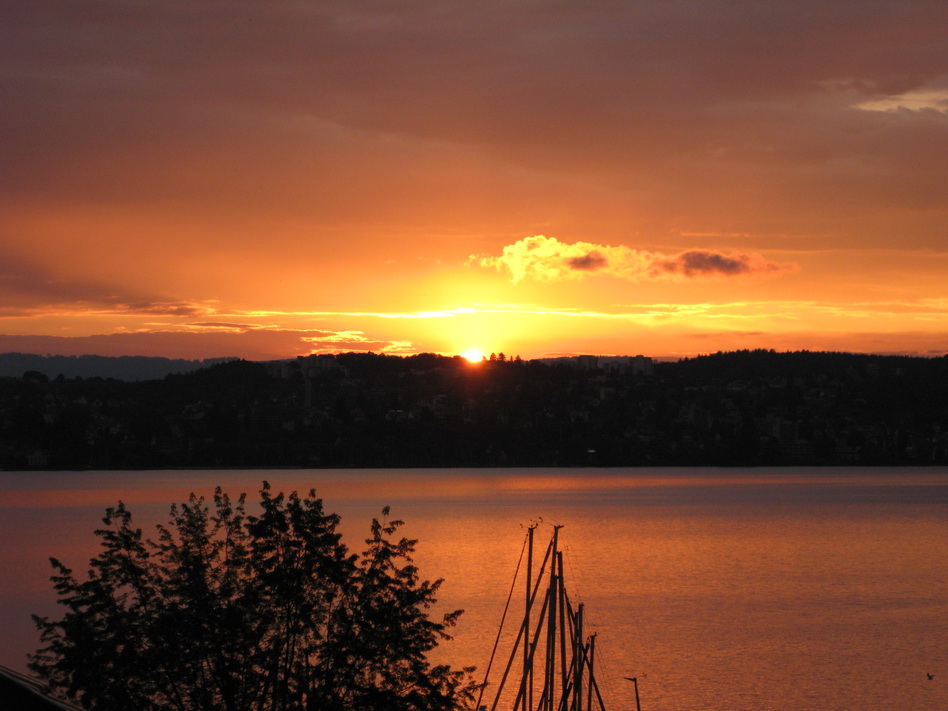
[
  {"x": 306, "y": 165},
  {"x": 542, "y": 258}
]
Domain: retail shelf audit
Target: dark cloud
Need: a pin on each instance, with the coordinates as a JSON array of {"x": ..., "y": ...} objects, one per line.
[
  {"x": 163, "y": 308},
  {"x": 28, "y": 280},
  {"x": 253, "y": 344},
  {"x": 219, "y": 324},
  {"x": 702, "y": 263},
  {"x": 589, "y": 262},
  {"x": 27, "y": 283}
]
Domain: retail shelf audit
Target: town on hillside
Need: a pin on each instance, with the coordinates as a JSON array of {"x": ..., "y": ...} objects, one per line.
[{"x": 745, "y": 408}]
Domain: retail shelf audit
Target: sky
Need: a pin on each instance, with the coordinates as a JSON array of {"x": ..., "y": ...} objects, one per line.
[{"x": 273, "y": 178}]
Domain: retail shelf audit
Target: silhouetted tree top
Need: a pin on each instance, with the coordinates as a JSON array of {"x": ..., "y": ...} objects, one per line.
[{"x": 231, "y": 611}]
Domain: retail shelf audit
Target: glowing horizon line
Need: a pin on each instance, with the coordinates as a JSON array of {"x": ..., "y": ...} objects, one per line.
[{"x": 929, "y": 308}]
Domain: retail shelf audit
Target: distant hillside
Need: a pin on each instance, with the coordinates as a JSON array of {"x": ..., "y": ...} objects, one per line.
[
  {"x": 129, "y": 368},
  {"x": 750, "y": 408}
]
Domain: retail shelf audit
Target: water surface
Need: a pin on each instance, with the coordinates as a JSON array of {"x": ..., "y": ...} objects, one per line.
[{"x": 821, "y": 589}]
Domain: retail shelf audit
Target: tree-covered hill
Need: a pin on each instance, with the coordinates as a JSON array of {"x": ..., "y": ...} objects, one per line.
[{"x": 368, "y": 410}]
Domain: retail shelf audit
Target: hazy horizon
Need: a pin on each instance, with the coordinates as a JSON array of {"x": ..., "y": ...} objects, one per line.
[{"x": 211, "y": 360}]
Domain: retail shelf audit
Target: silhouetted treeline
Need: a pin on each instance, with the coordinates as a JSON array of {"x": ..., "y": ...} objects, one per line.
[
  {"x": 92, "y": 366},
  {"x": 365, "y": 410}
]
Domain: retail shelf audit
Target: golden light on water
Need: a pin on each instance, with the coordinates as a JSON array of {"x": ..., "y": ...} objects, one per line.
[{"x": 675, "y": 567}]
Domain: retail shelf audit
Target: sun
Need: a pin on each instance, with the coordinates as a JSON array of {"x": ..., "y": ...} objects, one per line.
[{"x": 473, "y": 355}]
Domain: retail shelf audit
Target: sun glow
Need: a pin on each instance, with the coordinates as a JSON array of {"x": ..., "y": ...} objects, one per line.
[{"x": 473, "y": 355}]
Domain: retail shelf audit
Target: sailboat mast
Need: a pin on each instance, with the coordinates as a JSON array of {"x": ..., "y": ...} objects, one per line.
[
  {"x": 572, "y": 687},
  {"x": 527, "y": 657},
  {"x": 591, "y": 660},
  {"x": 578, "y": 661},
  {"x": 564, "y": 612},
  {"x": 553, "y": 593}
]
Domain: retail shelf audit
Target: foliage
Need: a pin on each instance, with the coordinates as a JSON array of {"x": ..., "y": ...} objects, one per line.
[{"x": 237, "y": 612}]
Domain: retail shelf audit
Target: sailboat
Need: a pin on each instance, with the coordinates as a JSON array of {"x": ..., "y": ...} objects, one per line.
[{"x": 551, "y": 666}]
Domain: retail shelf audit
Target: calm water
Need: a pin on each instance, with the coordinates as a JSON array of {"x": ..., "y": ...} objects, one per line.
[{"x": 721, "y": 589}]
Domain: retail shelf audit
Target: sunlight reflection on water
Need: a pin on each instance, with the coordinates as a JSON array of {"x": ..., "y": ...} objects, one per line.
[{"x": 750, "y": 589}]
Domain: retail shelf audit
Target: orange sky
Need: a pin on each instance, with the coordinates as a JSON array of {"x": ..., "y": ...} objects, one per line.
[{"x": 269, "y": 179}]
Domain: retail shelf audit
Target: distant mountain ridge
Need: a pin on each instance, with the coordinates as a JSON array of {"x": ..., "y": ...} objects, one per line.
[{"x": 128, "y": 368}]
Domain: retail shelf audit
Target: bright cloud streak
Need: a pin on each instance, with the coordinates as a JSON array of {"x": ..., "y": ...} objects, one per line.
[
  {"x": 669, "y": 328},
  {"x": 547, "y": 259},
  {"x": 919, "y": 100}
]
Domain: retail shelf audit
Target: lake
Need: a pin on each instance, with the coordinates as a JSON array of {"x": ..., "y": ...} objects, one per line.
[{"x": 756, "y": 589}]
